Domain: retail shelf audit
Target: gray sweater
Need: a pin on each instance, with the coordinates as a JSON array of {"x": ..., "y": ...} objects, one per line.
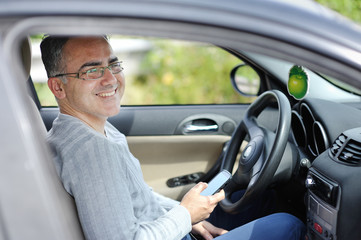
[{"x": 106, "y": 181}]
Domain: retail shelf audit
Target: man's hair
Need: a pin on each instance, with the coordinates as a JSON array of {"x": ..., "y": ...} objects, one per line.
[{"x": 52, "y": 54}]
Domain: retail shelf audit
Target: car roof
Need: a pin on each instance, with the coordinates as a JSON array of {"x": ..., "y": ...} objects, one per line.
[
  {"x": 304, "y": 23},
  {"x": 301, "y": 14},
  {"x": 297, "y": 13}
]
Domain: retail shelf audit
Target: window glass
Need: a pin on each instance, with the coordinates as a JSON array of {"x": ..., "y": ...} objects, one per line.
[{"x": 162, "y": 72}]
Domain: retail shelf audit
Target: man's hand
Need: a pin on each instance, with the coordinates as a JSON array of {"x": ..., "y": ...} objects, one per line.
[
  {"x": 207, "y": 230},
  {"x": 200, "y": 207}
]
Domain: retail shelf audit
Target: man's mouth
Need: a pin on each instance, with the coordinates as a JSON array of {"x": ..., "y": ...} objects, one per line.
[{"x": 107, "y": 94}]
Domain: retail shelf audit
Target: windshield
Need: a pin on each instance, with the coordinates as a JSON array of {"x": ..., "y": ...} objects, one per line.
[
  {"x": 320, "y": 86},
  {"x": 341, "y": 84}
]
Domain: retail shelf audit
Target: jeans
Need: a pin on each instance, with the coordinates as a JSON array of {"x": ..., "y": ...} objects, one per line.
[
  {"x": 251, "y": 225},
  {"x": 277, "y": 226}
]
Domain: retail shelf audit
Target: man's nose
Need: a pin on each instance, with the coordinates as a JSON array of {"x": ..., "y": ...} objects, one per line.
[{"x": 108, "y": 77}]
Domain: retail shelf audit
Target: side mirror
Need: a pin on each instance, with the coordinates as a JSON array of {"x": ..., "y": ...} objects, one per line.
[{"x": 245, "y": 80}]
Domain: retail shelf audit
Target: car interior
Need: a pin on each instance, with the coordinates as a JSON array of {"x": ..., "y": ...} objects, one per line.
[{"x": 315, "y": 174}]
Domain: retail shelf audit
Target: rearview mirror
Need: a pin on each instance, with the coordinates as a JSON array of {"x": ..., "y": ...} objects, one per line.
[{"x": 245, "y": 80}]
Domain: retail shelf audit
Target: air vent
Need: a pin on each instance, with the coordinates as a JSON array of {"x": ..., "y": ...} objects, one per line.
[
  {"x": 347, "y": 147},
  {"x": 337, "y": 145},
  {"x": 351, "y": 152}
]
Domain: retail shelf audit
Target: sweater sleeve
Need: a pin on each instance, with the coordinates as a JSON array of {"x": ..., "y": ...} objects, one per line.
[
  {"x": 165, "y": 202},
  {"x": 96, "y": 172}
]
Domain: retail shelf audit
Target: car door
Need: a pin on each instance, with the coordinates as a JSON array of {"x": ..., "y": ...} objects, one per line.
[{"x": 176, "y": 125}]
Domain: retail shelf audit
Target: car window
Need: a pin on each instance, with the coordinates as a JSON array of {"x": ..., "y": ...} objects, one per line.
[{"x": 162, "y": 72}]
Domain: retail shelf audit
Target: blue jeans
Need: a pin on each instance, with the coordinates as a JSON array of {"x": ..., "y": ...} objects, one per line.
[
  {"x": 252, "y": 225},
  {"x": 277, "y": 226}
]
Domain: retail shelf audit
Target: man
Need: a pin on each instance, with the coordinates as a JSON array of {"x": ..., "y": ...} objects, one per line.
[{"x": 97, "y": 169}]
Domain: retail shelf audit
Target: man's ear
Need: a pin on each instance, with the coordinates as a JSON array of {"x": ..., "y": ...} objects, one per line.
[{"x": 56, "y": 86}]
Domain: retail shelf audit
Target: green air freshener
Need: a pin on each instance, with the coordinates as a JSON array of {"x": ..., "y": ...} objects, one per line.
[{"x": 297, "y": 82}]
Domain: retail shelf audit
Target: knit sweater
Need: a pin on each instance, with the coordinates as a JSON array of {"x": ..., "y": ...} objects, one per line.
[{"x": 106, "y": 181}]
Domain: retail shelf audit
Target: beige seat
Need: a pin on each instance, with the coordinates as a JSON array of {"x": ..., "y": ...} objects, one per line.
[
  {"x": 66, "y": 202},
  {"x": 26, "y": 58}
]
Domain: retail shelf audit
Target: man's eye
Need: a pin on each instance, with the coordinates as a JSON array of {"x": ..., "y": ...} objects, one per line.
[
  {"x": 115, "y": 65},
  {"x": 93, "y": 70}
]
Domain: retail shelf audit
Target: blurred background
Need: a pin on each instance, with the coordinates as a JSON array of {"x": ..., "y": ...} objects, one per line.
[{"x": 348, "y": 8}]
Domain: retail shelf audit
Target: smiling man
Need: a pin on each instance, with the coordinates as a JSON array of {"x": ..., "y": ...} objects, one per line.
[
  {"x": 96, "y": 167},
  {"x": 98, "y": 96}
]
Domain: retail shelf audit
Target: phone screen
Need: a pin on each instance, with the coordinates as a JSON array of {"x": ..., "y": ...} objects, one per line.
[{"x": 218, "y": 182}]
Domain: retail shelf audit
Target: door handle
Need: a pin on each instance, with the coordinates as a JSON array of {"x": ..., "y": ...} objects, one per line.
[
  {"x": 191, "y": 128},
  {"x": 206, "y": 124}
]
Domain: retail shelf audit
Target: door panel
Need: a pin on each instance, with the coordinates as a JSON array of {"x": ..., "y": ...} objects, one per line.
[
  {"x": 163, "y": 120},
  {"x": 170, "y": 120},
  {"x": 166, "y": 157}
]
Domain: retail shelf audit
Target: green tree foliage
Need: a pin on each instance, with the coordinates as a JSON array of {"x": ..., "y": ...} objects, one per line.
[
  {"x": 348, "y": 8},
  {"x": 183, "y": 73}
]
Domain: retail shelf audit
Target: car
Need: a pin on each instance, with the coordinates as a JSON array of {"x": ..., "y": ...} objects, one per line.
[{"x": 292, "y": 123}]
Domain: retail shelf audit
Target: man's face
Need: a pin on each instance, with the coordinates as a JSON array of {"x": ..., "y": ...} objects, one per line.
[{"x": 91, "y": 100}]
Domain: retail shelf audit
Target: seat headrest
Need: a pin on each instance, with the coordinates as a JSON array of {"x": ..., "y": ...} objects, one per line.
[{"x": 26, "y": 56}]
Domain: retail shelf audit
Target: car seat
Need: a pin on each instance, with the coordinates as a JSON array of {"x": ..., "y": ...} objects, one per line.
[{"x": 66, "y": 214}]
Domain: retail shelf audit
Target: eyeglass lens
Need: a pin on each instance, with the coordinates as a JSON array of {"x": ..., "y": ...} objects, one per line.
[{"x": 96, "y": 73}]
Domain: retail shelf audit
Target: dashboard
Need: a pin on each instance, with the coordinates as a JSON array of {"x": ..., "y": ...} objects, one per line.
[
  {"x": 316, "y": 123},
  {"x": 328, "y": 137}
]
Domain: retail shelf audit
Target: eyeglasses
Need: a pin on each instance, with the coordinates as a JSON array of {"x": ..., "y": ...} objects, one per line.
[{"x": 95, "y": 73}]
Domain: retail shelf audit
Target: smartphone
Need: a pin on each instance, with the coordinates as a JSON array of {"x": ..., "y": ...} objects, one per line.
[{"x": 217, "y": 183}]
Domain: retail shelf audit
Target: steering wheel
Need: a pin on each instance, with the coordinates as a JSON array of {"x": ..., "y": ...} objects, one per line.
[{"x": 262, "y": 155}]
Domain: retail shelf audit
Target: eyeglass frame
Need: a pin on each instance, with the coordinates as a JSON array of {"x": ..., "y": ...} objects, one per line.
[{"x": 85, "y": 72}]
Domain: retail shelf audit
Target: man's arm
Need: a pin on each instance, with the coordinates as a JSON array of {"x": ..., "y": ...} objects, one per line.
[
  {"x": 165, "y": 202},
  {"x": 101, "y": 179}
]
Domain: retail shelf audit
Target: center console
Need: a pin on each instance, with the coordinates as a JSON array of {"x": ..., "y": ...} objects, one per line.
[
  {"x": 322, "y": 211},
  {"x": 334, "y": 190}
]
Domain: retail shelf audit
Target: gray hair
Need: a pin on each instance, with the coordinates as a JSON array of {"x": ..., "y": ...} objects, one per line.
[{"x": 52, "y": 54}]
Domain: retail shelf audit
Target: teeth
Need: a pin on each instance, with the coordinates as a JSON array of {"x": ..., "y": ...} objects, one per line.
[{"x": 106, "y": 94}]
